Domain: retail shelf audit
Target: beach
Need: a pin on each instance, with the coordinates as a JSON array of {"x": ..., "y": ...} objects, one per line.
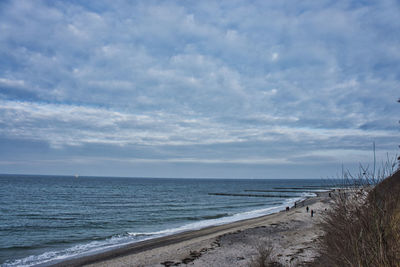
[{"x": 292, "y": 234}]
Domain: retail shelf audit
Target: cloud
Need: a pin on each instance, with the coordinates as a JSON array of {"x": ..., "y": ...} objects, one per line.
[
  {"x": 199, "y": 75},
  {"x": 274, "y": 56},
  {"x": 11, "y": 83},
  {"x": 65, "y": 125}
]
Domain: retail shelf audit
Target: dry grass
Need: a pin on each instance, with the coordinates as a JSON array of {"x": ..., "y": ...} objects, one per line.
[
  {"x": 265, "y": 256},
  {"x": 363, "y": 227}
]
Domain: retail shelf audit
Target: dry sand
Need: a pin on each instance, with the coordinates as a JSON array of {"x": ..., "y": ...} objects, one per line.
[{"x": 292, "y": 233}]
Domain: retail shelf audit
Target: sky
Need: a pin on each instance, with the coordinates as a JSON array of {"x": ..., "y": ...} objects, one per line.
[{"x": 224, "y": 89}]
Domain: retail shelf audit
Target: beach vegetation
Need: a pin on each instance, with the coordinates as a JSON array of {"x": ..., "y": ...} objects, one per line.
[
  {"x": 265, "y": 256},
  {"x": 362, "y": 228}
]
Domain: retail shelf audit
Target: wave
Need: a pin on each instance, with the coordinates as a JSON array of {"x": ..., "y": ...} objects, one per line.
[
  {"x": 133, "y": 237},
  {"x": 72, "y": 252},
  {"x": 219, "y": 220}
]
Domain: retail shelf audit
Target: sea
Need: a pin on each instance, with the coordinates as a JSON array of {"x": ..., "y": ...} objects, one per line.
[{"x": 47, "y": 219}]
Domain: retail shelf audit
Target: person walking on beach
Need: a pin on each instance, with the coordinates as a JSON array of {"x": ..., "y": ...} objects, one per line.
[
  {"x": 307, "y": 209},
  {"x": 312, "y": 213}
]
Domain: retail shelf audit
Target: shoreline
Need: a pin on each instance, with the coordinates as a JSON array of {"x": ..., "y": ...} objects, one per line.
[{"x": 192, "y": 246}]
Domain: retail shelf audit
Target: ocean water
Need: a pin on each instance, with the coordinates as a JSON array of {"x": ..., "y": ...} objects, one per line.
[{"x": 45, "y": 219}]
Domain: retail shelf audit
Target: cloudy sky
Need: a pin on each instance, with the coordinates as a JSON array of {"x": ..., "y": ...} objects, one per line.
[{"x": 240, "y": 89}]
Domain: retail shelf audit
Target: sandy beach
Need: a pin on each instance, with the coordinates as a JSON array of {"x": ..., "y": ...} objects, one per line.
[{"x": 292, "y": 233}]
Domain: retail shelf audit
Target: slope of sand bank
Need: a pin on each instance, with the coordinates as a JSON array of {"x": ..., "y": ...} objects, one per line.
[{"x": 292, "y": 234}]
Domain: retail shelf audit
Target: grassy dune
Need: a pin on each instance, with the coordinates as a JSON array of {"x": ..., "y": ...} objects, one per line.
[{"x": 363, "y": 228}]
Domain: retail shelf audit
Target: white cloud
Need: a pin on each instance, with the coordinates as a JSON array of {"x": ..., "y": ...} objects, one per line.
[
  {"x": 201, "y": 73},
  {"x": 77, "y": 125},
  {"x": 274, "y": 56},
  {"x": 11, "y": 83}
]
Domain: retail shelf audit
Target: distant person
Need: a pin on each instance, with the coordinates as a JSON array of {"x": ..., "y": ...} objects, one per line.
[
  {"x": 287, "y": 208},
  {"x": 312, "y": 213},
  {"x": 307, "y": 209},
  {"x": 329, "y": 194},
  {"x": 295, "y": 205}
]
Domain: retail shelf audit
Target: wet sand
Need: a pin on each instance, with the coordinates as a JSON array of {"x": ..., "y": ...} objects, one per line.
[{"x": 292, "y": 234}]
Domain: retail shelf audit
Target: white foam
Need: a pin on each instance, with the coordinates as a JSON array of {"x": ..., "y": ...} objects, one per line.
[
  {"x": 75, "y": 251},
  {"x": 224, "y": 220}
]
